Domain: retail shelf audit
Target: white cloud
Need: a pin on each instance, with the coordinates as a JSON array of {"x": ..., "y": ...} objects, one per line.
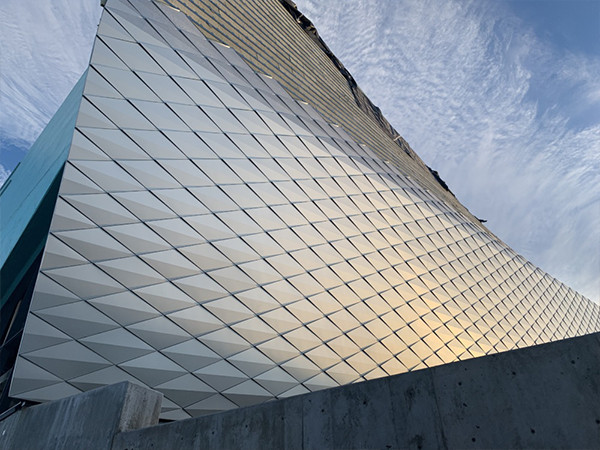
[
  {"x": 506, "y": 120},
  {"x": 45, "y": 49},
  {"x": 4, "y": 174}
]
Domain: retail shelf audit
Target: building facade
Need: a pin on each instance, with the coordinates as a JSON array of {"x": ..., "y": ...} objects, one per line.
[{"x": 218, "y": 213}]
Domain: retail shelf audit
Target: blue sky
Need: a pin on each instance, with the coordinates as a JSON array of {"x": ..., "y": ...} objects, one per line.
[
  {"x": 501, "y": 97},
  {"x": 570, "y": 25}
]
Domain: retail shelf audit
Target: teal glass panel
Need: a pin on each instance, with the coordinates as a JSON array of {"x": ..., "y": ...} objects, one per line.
[{"x": 22, "y": 194}]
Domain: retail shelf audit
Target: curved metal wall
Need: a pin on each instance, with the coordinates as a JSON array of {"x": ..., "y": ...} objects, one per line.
[{"x": 219, "y": 241}]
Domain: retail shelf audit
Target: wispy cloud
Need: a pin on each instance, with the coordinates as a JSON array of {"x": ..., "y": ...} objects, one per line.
[
  {"x": 512, "y": 123},
  {"x": 45, "y": 48}
]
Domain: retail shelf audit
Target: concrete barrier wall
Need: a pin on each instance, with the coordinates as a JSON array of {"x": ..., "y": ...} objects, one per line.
[
  {"x": 540, "y": 397},
  {"x": 86, "y": 421}
]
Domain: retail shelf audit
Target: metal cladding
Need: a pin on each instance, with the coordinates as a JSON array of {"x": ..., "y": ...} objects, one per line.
[{"x": 219, "y": 241}]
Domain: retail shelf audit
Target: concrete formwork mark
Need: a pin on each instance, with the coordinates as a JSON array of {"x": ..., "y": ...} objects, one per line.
[
  {"x": 84, "y": 421},
  {"x": 539, "y": 397}
]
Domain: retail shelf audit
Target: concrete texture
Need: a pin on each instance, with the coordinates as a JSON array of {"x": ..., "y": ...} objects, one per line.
[
  {"x": 85, "y": 421},
  {"x": 539, "y": 397}
]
